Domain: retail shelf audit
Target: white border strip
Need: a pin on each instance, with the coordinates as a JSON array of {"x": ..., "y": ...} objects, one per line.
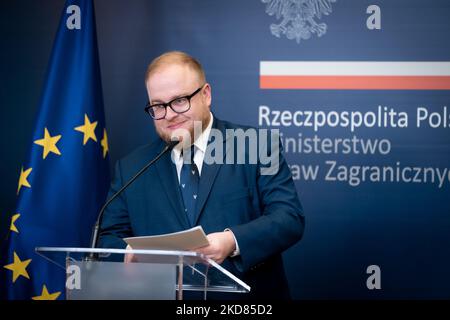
[{"x": 354, "y": 68}]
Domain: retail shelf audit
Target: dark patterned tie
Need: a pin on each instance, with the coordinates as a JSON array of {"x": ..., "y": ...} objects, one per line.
[{"x": 189, "y": 179}]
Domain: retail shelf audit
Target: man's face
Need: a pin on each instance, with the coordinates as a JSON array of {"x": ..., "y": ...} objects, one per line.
[{"x": 173, "y": 81}]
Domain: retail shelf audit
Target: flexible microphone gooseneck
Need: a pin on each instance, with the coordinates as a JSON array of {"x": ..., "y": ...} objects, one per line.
[{"x": 95, "y": 233}]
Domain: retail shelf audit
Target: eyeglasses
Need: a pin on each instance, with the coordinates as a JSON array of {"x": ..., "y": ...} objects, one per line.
[{"x": 178, "y": 105}]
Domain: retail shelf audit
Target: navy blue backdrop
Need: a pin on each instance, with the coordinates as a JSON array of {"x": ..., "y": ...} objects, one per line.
[{"x": 400, "y": 226}]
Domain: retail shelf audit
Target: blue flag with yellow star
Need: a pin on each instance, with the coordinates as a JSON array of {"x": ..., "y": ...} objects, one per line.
[{"x": 64, "y": 182}]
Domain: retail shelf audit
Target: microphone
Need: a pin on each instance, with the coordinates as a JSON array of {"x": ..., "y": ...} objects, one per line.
[{"x": 95, "y": 233}]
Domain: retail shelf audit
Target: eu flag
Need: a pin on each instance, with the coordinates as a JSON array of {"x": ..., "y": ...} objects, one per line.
[{"x": 64, "y": 182}]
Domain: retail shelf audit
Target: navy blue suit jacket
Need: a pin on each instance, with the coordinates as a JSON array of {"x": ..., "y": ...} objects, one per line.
[{"x": 263, "y": 211}]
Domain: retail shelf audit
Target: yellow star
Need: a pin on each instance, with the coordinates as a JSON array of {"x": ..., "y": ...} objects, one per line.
[
  {"x": 104, "y": 143},
  {"x": 47, "y": 296},
  {"x": 23, "y": 179},
  {"x": 88, "y": 129},
  {"x": 49, "y": 144},
  {"x": 13, "y": 219},
  {"x": 18, "y": 267}
]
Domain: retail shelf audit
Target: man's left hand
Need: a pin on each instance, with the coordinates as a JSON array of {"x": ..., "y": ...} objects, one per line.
[{"x": 221, "y": 245}]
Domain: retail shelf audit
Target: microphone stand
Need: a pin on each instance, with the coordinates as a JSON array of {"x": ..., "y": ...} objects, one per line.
[{"x": 95, "y": 233}]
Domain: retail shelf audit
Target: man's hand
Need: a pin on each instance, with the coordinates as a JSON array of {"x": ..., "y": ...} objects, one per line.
[
  {"x": 221, "y": 245},
  {"x": 129, "y": 257}
]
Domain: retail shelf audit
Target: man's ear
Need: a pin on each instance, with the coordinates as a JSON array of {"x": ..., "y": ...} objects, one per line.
[{"x": 206, "y": 93}]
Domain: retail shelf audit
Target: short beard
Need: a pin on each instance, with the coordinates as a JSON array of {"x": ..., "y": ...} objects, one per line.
[{"x": 175, "y": 134}]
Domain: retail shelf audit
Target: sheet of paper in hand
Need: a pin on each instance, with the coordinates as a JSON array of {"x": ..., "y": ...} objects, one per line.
[{"x": 185, "y": 240}]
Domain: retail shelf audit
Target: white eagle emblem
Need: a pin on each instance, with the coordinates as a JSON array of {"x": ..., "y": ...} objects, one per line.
[{"x": 298, "y": 17}]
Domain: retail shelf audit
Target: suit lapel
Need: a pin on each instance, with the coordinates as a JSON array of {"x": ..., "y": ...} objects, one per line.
[
  {"x": 208, "y": 174},
  {"x": 168, "y": 176}
]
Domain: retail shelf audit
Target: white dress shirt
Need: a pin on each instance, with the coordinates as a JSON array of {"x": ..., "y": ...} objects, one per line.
[{"x": 200, "y": 149}]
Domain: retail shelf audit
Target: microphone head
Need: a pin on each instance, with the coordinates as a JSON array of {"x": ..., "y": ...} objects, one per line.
[{"x": 171, "y": 144}]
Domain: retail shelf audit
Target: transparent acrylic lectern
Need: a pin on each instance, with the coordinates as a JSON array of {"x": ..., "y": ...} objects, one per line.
[{"x": 153, "y": 274}]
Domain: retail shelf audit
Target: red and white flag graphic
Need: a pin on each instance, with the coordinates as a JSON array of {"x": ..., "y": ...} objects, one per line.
[{"x": 355, "y": 75}]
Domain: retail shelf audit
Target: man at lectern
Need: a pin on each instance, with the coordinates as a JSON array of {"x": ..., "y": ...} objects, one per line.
[{"x": 243, "y": 196}]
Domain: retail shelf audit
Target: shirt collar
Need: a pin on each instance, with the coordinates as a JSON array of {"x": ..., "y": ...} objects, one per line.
[{"x": 202, "y": 140}]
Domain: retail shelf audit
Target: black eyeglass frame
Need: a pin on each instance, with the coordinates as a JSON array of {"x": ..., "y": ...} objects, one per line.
[{"x": 148, "y": 106}]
